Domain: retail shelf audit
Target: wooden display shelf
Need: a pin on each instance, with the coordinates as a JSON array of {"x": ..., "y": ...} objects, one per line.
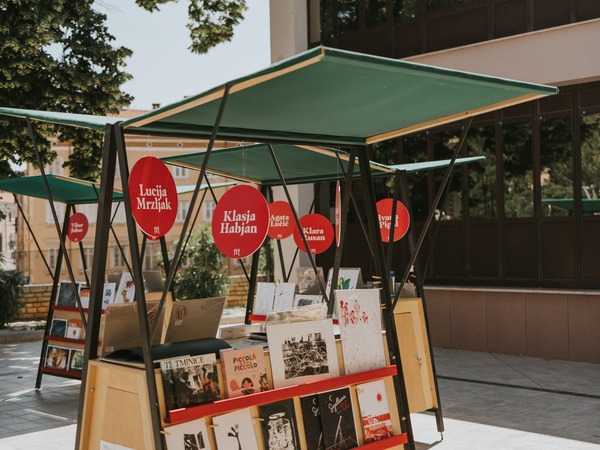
[
  {"x": 65, "y": 339},
  {"x": 260, "y": 398},
  {"x": 388, "y": 443},
  {"x": 68, "y": 308},
  {"x": 263, "y": 318},
  {"x": 62, "y": 373}
]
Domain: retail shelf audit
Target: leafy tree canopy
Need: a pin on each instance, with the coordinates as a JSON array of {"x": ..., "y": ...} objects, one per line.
[
  {"x": 211, "y": 21},
  {"x": 57, "y": 56}
]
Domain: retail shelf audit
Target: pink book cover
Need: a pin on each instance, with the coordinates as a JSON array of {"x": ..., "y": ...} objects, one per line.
[{"x": 244, "y": 371}]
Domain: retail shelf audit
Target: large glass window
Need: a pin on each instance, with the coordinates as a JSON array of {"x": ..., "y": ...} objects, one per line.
[
  {"x": 347, "y": 15},
  {"x": 482, "y": 174},
  {"x": 517, "y": 164},
  {"x": 556, "y": 167},
  {"x": 450, "y": 207},
  {"x": 590, "y": 161},
  {"x": 376, "y": 12},
  {"x": 414, "y": 149},
  {"x": 406, "y": 9}
]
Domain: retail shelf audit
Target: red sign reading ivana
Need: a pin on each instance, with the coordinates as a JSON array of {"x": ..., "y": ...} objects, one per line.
[
  {"x": 384, "y": 212},
  {"x": 318, "y": 232},
  {"x": 153, "y": 196},
  {"x": 78, "y": 227},
  {"x": 281, "y": 220},
  {"x": 240, "y": 221}
]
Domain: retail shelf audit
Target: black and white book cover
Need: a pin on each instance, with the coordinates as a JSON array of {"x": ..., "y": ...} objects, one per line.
[
  {"x": 76, "y": 360},
  {"x": 302, "y": 352},
  {"x": 337, "y": 419},
  {"x": 235, "y": 431},
  {"x": 58, "y": 328},
  {"x": 279, "y": 425},
  {"x": 311, "y": 416},
  {"x": 191, "y": 435},
  {"x": 67, "y": 294},
  {"x": 195, "y": 380},
  {"x": 310, "y": 282}
]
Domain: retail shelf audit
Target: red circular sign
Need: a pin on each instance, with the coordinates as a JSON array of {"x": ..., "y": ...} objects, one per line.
[
  {"x": 153, "y": 196},
  {"x": 240, "y": 221},
  {"x": 281, "y": 220},
  {"x": 78, "y": 227},
  {"x": 318, "y": 232},
  {"x": 384, "y": 212}
]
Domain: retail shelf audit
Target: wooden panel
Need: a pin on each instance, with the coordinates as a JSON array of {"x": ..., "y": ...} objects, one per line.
[
  {"x": 468, "y": 320},
  {"x": 449, "y": 258},
  {"x": 550, "y": 14},
  {"x": 438, "y": 314},
  {"x": 484, "y": 250},
  {"x": 505, "y": 323},
  {"x": 590, "y": 250},
  {"x": 584, "y": 331},
  {"x": 520, "y": 250},
  {"x": 547, "y": 326},
  {"x": 415, "y": 354}
]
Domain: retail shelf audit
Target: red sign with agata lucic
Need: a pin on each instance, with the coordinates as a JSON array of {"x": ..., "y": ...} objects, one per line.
[
  {"x": 78, "y": 227},
  {"x": 240, "y": 221},
  {"x": 153, "y": 196},
  {"x": 318, "y": 231},
  {"x": 281, "y": 220}
]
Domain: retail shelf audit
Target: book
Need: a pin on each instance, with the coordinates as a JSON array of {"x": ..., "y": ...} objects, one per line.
[
  {"x": 337, "y": 419},
  {"x": 235, "y": 430},
  {"x": 311, "y": 417},
  {"x": 359, "y": 317},
  {"x": 283, "y": 297},
  {"x": 279, "y": 426},
  {"x": 191, "y": 435},
  {"x": 244, "y": 371},
  {"x": 84, "y": 297},
  {"x": 58, "y": 328},
  {"x": 348, "y": 278},
  {"x": 374, "y": 411},
  {"x": 302, "y": 352},
  {"x": 310, "y": 282},
  {"x": 108, "y": 294},
  {"x": 57, "y": 357},
  {"x": 194, "y": 381},
  {"x": 74, "y": 329},
  {"x": 125, "y": 293},
  {"x": 263, "y": 302},
  {"x": 67, "y": 294},
  {"x": 301, "y": 300},
  {"x": 76, "y": 360}
]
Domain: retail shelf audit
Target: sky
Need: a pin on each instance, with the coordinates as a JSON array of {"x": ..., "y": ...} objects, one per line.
[{"x": 164, "y": 70}]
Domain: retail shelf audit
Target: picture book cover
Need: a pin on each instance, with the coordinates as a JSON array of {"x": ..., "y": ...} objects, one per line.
[
  {"x": 235, "y": 430},
  {"x": 359, "y": 317},
  {"x": 57, "y": 357},
  {"x": 308, "y": 280},
  {"x": 348, "y": 278},
  {"x": 301, "y": 300},
  {"x": 374, "y": 411},
  {"x": 125, "y": 293},
  {"x": 67, "y": 293},
  {"x": 58, "y": 328},
  {"x": 263, "y": 302},
  {"x": 166, "y": 372},
  {"x": 191, "y": 435},
  {"x": 317, "y": 311},
  {"x": 302, "y": 352},
  {"x": 76, "y": 360},
  {"x": 283, "y": 297},
  {"x": 337, "y": 419},
  {"x": 84, "y": 297},
  {"x": 195, "y": 380},
  {"x": 311, "y": 416},
  {"x": 74, "y": 329},
  {"x": 244, "y": 371},
  {"x": 108, "y": 294},
  {"x": 279, "y": 426}
]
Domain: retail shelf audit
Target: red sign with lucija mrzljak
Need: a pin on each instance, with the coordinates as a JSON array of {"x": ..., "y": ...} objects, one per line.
[
  {"x": 153, "y": 196},
  {"x": 240, "y": 221}
]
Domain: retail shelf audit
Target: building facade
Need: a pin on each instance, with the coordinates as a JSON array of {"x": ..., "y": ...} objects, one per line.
[{"x": 512, "y": 261}]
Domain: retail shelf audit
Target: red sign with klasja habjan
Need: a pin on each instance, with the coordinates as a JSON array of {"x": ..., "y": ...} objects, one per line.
[
  {"x": 78, "y": 227},
  {"x": 240, "y": 221},
  {"x": 153, "y": 196}
]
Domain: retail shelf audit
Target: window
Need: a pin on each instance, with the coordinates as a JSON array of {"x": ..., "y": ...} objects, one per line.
[
  {"x": 414, "y": 149},
  {"x": 590, "y": 159},
  {"x": 150, "y": 256},
  {"x": 347, "y": 15},
  {"x": 180, "y": 172},
  {"x": 208, "y": 210},
  {"x": 518, "y": 170},
  {"x": 120, "y": 216},
  {"x": 60, "y": 212},
  {"x": 90, "y": 212},
  {"x": 88, "y": 255},
  {"x": 182, "y": 210},
  {"x": 450, "y": 207},
  {"x": 376, "y": 12},
  {"x": 119, "y": 261},
  {"x": 52, "y": 257},
  {"x": 556, "y": 167},
  {"x": 483, "y": 198},
  {"x": 56, "y": 167}
]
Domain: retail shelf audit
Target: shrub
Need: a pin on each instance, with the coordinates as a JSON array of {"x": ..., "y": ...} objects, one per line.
[{"x": 11, "y": 288}]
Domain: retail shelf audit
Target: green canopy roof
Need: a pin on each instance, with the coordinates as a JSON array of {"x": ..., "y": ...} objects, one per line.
[
  {"x": 299, "y": 164},
  {"x": 63, "y": 189},
  {"x": 335, "y": 97},
  {"x": 590, "y": 205},
  {"x": 60, "y": 118}
]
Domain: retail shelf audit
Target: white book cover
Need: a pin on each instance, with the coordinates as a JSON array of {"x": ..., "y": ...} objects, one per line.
[
  {"x": 359, "y": 316},
  {"x": 126, "y": 291},
  {"x": 235, "y": 430},
  {"x": 263, "y": 303},
  {"x": 283, "y": 298},
  {"x": 348, "y": 278},
  {"x": 188, "y": 436},
  {"x": 108, "y": 294},
  {"x": 301, "y": 300},
  {"x": 374, "y": 411},
  {"x": 302, "y": 352}
]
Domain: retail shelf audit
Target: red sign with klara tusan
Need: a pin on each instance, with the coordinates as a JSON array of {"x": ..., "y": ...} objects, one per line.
[
  {"x": 384, "y": 212},
  {"x": 318, "y": 232},
  {"x": 240, "y": 221},
  {"x": 78, "y": 227},
  {"x": 153, "y": 196}
]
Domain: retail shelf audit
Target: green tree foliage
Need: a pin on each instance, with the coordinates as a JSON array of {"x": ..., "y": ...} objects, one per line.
[
  {"x": 211, "y": 21},
  {"x": 57, "y": 56},
  {"x": 203, "y": 274},
  {"x": 11, "y": 286}
]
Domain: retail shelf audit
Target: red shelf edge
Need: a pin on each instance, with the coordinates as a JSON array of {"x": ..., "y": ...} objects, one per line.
[
  {"x": 65, "y": 339},
  {"x": 386, "y": 443},
  {"x": 260, "y": 398},
  {"x": 62, "y": 373}
]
